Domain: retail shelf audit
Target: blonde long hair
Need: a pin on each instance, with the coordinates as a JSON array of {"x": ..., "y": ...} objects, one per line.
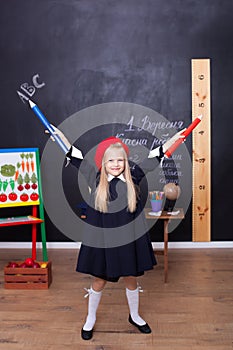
[{"x": 102, "y": 190}]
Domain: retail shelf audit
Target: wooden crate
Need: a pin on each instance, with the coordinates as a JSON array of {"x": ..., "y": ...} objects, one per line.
[{"x": 28, "y": 277}]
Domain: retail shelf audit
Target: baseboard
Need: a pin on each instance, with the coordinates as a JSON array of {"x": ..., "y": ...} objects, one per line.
[{"x": 156, "y": 245}]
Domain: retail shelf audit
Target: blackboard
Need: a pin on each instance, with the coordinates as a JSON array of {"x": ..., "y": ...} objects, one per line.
[
  {"x": 70, "y": 55},
  {"x": 86, "y": 129}
]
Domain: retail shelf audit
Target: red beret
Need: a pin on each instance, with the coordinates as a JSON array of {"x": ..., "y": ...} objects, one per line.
[{"x": 103, "y": 145}]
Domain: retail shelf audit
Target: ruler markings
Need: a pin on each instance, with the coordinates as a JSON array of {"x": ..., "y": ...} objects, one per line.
[{"x": 201, "y": 204}]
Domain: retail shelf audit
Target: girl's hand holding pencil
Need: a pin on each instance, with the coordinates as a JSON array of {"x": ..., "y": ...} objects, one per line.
[
  {"x": 173, "y": 139},
  {"x": 155, "y": 152},
  {"x": 61, "y": 135},
  {"x": 75, "y": 151}
]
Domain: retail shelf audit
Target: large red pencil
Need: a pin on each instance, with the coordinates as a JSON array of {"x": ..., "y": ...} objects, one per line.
[{"x": 186, "y": 132}]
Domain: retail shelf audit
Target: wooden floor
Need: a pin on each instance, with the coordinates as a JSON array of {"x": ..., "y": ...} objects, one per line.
[{"x": 193, "y": 311}]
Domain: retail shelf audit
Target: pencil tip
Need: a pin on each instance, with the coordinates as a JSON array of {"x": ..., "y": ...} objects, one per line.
[{"x": 31, "y": 103}]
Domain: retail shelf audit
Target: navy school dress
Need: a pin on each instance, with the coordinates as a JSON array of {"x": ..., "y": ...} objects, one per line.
[{"x": 116, "y": 243}]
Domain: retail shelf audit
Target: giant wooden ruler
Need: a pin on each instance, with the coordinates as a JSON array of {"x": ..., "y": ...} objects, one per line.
[{"x": 201, "y": 204}]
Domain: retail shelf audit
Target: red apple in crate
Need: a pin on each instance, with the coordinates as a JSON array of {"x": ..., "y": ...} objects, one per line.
[
  {"x": 29, "y": 262},
  {"x": 12, "y": 264},
  {"x": 36, "y": 265},
  {"x": 23, "y": 265}
]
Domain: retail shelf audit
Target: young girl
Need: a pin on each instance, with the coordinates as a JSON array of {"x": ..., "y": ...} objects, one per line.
[{"x": 116, "y": 205}]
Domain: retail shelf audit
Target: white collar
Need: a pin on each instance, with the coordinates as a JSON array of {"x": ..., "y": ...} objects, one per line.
[{"x": 121, "y": 177}]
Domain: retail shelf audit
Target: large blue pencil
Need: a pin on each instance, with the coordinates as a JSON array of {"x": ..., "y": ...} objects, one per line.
[{"x": 47, "y": 125}]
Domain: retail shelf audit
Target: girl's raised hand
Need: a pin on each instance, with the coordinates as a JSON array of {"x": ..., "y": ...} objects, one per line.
[
  {"x": 156, "y": 152},
  {"x": 173, "y": 139},
  {"x": 61, "y": 135}
]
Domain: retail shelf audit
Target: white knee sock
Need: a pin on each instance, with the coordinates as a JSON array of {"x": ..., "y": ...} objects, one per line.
[
  {"x": 93, "y": 303},
  {"x": 133, "y": 301}
]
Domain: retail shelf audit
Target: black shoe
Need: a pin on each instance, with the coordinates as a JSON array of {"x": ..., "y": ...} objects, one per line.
[
  {"x": 143, "y": 329},
  {"x": 86, "y": 335}
]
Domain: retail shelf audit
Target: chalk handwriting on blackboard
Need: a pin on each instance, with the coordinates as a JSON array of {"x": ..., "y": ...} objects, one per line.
[
  {"x": 30, "y": 89},
  {"x": 149, "y": 133},
  {"x": 151, "y": 126}
]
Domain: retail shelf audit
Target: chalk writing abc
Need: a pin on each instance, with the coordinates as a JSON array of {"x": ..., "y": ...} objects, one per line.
[{"x": 29, "y": 89}]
